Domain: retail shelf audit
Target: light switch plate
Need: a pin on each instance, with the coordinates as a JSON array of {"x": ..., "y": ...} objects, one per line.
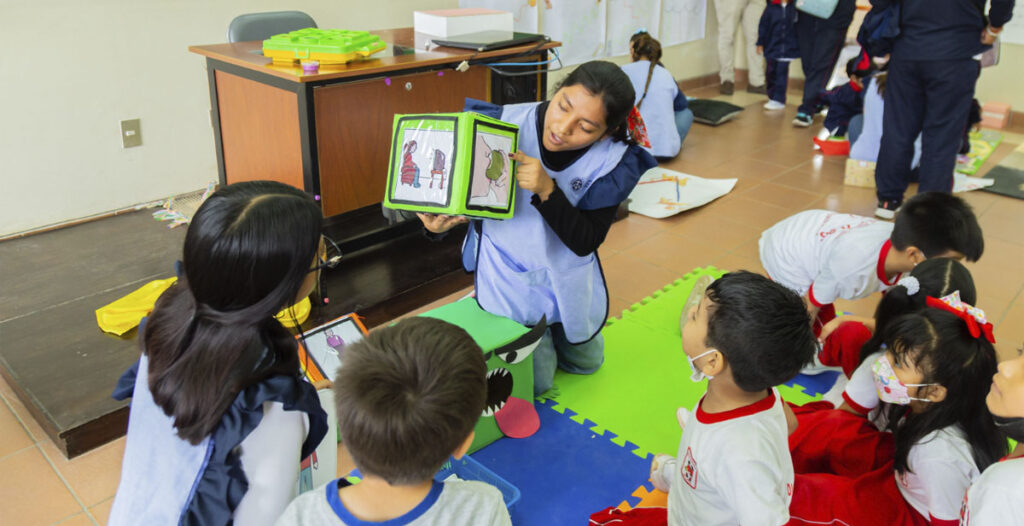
[{"x": 131, "y": 133}]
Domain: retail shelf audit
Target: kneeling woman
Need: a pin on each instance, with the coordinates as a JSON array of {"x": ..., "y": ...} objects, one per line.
[
  {"x": 577, "y": 160},
  {"x": 220, "y": 415}
]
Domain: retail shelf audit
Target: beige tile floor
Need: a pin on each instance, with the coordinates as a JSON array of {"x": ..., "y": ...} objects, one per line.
[{"x": 779, "y": 174}]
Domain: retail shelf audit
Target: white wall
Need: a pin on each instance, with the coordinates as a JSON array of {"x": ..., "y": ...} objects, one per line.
[{"x": 70, "y": 70}]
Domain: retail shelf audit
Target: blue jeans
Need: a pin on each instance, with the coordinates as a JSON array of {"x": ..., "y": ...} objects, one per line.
[
  {"x": 554, "y": 352},
  {"x": 684, "y": 119}
]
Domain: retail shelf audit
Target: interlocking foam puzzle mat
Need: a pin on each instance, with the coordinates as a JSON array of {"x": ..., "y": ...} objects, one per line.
[
  {"x": 983, "y": 143},
  {"x": 599, "y": 432}
]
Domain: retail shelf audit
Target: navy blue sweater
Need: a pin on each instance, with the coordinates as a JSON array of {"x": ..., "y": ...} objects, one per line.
[
  {"x": 843, "y": 103},
  {"x": 776, "y": 32},
  {"x": 944, "y": 29}
]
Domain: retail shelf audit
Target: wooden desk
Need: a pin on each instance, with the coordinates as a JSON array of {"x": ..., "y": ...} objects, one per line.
[{"x": 329, "y": 132}]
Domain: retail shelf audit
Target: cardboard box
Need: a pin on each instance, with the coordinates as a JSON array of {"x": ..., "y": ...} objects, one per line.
[
  {"x": 995, "y": 115},
  {"x": 860, "y": 173},
  {"x": 452, "y": 163},
  {"x": 448, "y": 23}
]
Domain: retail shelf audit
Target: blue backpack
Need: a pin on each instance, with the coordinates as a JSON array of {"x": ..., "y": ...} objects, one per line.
[{"x": 879, "y": 30}]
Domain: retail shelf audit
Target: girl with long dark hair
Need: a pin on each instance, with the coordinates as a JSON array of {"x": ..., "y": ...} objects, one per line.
[{"x": 220, "y": 415}]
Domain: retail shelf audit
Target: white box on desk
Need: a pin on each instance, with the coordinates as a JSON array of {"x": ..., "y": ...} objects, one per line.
[{"x": 448, "y": 23}]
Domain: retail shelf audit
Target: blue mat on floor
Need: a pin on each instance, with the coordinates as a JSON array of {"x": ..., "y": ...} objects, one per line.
[
  {"x": 565, "y": 471},
  {"x": 815, "y": 384}
]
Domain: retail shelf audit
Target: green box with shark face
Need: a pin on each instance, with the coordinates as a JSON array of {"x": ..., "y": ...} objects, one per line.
[
  {"x": 452, "y": 163},
  {"x": 508, "y": 348}
]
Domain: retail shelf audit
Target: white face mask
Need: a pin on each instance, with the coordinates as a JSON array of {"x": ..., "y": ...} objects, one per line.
[{"x": 697, "y": 375}]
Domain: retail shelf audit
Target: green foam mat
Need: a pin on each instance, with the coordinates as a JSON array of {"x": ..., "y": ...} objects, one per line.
[
  {"x": 645, "y": 376},
  {"x": 983, "y": 143}
]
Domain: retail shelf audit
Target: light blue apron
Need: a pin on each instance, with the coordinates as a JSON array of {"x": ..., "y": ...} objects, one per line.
[
  {"x": 155, "y": 488},
  {"x": 523, "y": 271}
]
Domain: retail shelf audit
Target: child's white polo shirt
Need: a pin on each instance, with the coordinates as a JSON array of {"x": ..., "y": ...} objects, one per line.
[
  {"x": 997, "y": 496},
  {"x": 941, "y": 470},
  {"x": 733, "y": 468},
  {"x": 827, "y": 255}
]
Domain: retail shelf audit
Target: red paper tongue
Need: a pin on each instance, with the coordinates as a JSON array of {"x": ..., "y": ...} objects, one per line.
[{"x": 518, "y": 418}]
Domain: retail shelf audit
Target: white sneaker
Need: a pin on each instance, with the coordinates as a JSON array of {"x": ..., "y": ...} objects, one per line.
[{"x": 772, "y": 105}]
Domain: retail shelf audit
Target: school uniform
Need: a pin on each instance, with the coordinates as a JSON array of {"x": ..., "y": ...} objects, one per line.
[
  {"x": 865, "y": 146},
  {"x": 732, "y": 467},
  {"x": 997, "y": 496},
  {"x": 776, "y": 34},
  {"x": 843, "y": 462},
  {"x": 658, "y": 106},
  {"x": 820, "y": 41},
  {"x": 826, "y": 255},
  {"x": 932, "y": 74},
  {"x": 167, "y": 480},
  {"x": 842, "y": 347},
  {"x": 843, "y": 103},
  {"x": 861, "y": 393},
  {"x": 543, "y": 263}
]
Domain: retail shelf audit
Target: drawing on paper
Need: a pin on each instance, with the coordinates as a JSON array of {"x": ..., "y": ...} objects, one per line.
[
  {"x": 327, "y": 346},
  {"x": 425, "y": 166},
  {"x": 491, "y": 173}
]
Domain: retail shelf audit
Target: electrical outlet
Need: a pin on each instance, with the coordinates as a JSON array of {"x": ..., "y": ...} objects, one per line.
[{"x": 131, "y": 133}]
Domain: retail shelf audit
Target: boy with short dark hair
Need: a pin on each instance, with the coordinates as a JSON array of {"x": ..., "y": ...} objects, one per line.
[
  {"x": 824, "y": 255},
  {"x": 408, "y": 397},
  {"x": 747, "y": 335}
]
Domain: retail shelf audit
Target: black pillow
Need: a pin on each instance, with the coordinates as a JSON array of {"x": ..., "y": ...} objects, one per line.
[{"x": 713, "y": 112}]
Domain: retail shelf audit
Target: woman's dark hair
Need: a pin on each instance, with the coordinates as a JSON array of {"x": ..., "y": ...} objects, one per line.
[
  {"x": 247, "y": 252},
  {"x": 643, "y": 45},
  {"x": 937, "y": 277},
  {"x": 940, "y": 345},
  {"x": 607, "y": 80}
]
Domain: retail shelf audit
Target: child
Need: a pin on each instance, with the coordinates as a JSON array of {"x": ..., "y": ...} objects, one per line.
[
  {"x": 847, "y": 100},
  {"x": 657, "y": 97},
  {"x": 932, "y": 382},
  {"x": 776, "y": 40},
  {"x": 825, "y": 255},
  {"x": 867, "y": 138},
  {"x": 997, "y": 497},
  {"x": 578, "y": 159},
  {"x": 849, "y": 340},
  {"x": 747, "y": 335},
  {"x": 220, "y": 415},
  {"x": 408, "y": 397}
]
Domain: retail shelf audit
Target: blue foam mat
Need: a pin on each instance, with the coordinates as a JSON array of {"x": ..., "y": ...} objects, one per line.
[{"x": 565, "y": 471}]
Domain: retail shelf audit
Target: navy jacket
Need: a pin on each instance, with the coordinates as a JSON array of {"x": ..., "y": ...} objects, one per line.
[
  {"x": 944, "y": 29},
  {"x": 843, "y": 103},
  {"x": 776, "y": 33}
]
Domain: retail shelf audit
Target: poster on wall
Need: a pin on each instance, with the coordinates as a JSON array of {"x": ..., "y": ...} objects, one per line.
[
  {"x": 524, "y": 12},
  {"x": 580, "y": 26},
  {"x": 627, "y": 17},
  {"x": 682, "y": 21}
]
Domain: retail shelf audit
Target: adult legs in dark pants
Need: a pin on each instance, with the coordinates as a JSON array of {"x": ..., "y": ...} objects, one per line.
[
  {"x": 930, "y": 97},
  {"x": 820, "y": 41}
]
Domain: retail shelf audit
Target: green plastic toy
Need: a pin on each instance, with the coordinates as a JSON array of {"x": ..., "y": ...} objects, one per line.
[
  {"x": 508, "y": 348},
  {"x": 328, "y": 46},
  {"x": 452, "y": 163}
]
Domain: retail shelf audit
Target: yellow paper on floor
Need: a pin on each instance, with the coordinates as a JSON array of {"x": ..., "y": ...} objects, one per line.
[{"x": 124, "y": 314}]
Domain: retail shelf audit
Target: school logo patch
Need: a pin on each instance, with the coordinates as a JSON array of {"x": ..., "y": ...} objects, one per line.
[
  {"x": 689, "y": 469},
  {"x": 577, "y": 184}
]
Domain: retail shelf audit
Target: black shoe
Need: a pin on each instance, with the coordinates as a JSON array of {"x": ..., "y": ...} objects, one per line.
[
  {"x": 802, "y": 120},
  {"x": 760, "y": 90},
  {"x": 887, "y": 209},
  {"x": 726, "y": 88}
]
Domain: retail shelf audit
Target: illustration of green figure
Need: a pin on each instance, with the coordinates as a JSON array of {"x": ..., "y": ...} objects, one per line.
[{"x": 499, "y": 160}]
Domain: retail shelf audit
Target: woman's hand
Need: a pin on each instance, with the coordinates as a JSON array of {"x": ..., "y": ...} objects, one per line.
[
  {"x": 440, "y": 223},
  {"x": 531, "y": 175}
]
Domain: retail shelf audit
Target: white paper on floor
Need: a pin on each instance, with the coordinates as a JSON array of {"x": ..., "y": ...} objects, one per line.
[
  {"x": 663, "y": 193},
  {"x": 966, "y": 183}
]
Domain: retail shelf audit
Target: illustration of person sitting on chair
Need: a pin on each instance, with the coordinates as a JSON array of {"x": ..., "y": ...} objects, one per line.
[{"x": 410, "y": 173}]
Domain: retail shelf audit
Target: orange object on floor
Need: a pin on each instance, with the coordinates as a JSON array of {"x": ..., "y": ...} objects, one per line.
[
  {"x": 833, "y": 147},
  {"x": 995, "y": 115}
]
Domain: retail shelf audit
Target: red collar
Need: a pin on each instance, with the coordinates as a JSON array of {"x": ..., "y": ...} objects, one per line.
[
  {"x": 880, "y": 269},
  {"x": 764, "y": 404},
  {"x": 856, "y": 88}
]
